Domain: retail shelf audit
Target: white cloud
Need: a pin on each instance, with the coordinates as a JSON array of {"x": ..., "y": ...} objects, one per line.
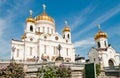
[
  {"x": 84, "y": 43},
  {"x": 2, "y": 26},
  {"x": 80, "y": 18},
  {"x": 101, "y": 19},
  {"x": 5, "y": 25},
  {"x": 2, "y": 2},
  {"x": 116, "y": 32}
]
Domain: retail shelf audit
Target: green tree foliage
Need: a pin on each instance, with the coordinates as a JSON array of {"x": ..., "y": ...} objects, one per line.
[
  {"x": 13, "y": 70},
  {"x": 54, "y": 71},
  {"x": 97, "y": 69}
]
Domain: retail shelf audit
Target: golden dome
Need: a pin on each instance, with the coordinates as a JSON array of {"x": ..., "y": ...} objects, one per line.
[
  {"x": 66, "y": 29},
  {"x": 100, "y": 34},
  {"x": 24, "y": 36},
  {"x": 30, "y": 19},
  {"x": 44, "y": 16}
]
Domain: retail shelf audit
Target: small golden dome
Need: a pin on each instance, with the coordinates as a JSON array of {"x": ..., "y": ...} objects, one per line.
[
  {"x": 24, "y": 36},
  {"x": 44, "y": 16},
  {"x": 100, "y": 34},
  {"x": 66, "y": 29},
  {"x": 30, "y": 19}
]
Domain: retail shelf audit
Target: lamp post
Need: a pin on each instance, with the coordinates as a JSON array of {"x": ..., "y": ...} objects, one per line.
[{"x": 13, "y": 50}]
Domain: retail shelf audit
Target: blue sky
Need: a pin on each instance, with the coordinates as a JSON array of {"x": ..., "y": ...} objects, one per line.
[{"x": 83, "y": 16}]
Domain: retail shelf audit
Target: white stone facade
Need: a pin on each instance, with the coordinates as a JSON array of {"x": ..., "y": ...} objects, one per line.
[
  {"x": 40, "y": 41},
  {"x": 104, "y": 54}
]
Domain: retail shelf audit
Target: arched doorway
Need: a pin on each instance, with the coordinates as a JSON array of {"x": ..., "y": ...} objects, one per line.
[{"x": 111, "y": 63}]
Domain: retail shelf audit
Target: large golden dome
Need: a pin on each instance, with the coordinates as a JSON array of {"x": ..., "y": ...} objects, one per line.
[
  {"x": 44, "y": 16},
  {"x": 100, "y": 34}
]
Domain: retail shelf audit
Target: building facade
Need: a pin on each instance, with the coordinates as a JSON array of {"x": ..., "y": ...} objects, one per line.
[
  {"x": 104, "y": 53},
  {"x": 40, "y": 41}
]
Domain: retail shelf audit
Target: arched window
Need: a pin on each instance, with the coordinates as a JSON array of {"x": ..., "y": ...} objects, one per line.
[
  {"x": 111, "y": 64},
  {"x": 64, "y": 36},
  {"x": 38, "y": 29},
  {"x": 68, "y": 36},
  {"x": 67, "y": 51},
  {"x": 98, "y": 44},
  {"x": 30, "y": 51},
  {"x": 43, "y": 29},
  {"x": 31, "y": 28},
  {"x": 45, "y": 49},
  {"x": 105, "y": 43},
  {"x": 17, "y": 52}
]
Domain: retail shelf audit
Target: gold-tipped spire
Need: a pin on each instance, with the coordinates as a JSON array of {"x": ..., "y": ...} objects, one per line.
[
  {"x": 100, "y": 34},
  {"x": 66, "y": 28},
  {"x": 30, "y": 19},
  {"x": 44, "y": 16}
]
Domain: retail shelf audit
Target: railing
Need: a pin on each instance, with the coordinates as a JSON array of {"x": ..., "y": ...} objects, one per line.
[
  {"x": 4, "y": 61},
  {"x": 112, "y": 69}
]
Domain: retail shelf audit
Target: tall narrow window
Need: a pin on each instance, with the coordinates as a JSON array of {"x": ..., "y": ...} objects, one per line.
[
  {"x": 30, "y": 51},
  {"x": 51, "y": 31},
  {"x": 48, "y": 30},
  {"x": 54, "y": 50},
  {"x": 17, "y": 52},
  {"x": 64, "y": 36},
  {"x": 98, "y": 44},
  {"x": 31, "y": 28},
  {"x": 43, "y": 29},
  {"x": 105, "y": 43},
  {"x": 67, "y": 51},
  {"x": 38, "y": 29},
  {"x": 68, "y": 36},
  {"x": 45, "y": 49}
]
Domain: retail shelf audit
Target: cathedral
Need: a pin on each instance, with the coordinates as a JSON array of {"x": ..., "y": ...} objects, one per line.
[
  {"x": 41, "y": 42},
  {"x": 104, "y": 54}
]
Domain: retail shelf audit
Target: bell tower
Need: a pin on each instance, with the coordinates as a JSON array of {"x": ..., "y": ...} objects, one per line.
[
  {"x": 67, "y": 33},
  {"x": 30, "y": 24},
  {"x": 101, "y": 39}
]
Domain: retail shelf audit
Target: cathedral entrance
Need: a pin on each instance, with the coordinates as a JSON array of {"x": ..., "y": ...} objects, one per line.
[{"x": 111, "y": 63}]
